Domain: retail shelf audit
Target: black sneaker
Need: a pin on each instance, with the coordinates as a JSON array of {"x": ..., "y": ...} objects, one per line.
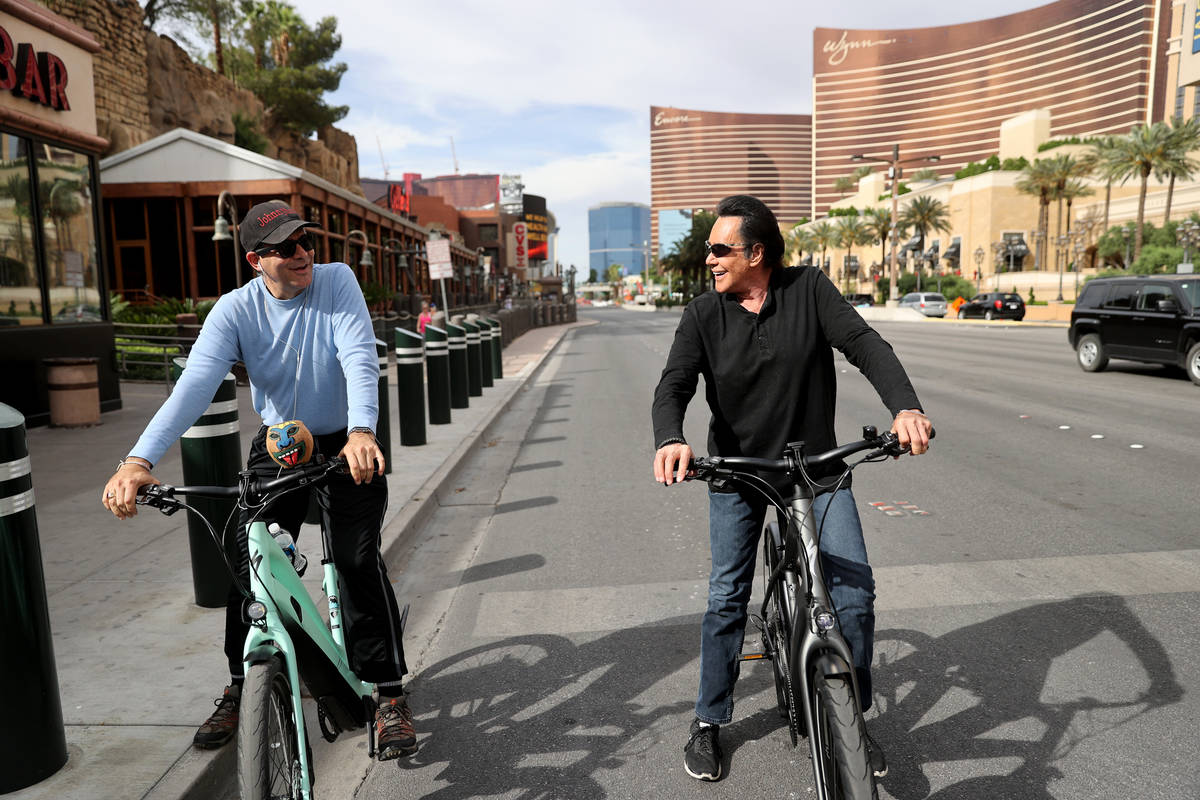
[
  {"x": 702, "y": 754},
  {"x": 222, "y": 725},
  {"x": 878, "y": 761}
]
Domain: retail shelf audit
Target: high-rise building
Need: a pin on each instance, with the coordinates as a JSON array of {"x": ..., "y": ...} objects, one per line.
[
  {"x": 1098, "y": 67},
  {"x": 619, "y": 233},
  {"x": 698, "y": 157}
]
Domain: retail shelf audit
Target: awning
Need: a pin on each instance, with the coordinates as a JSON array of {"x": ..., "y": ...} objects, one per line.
[
  {"x": 952, "y": 251},
  {"x": 913, "y": 244},
  {"x": 1017, "y": 248},
  {"x": 932, "y": 253}
]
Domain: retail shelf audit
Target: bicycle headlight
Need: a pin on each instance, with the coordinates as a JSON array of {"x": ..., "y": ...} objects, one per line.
[
  {"x": 256, "y": 611},
  {"x": 824, "y": 621}
]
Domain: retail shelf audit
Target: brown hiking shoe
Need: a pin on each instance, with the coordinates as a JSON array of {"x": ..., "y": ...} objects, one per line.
[
  {"x": 222, "y": 725},
  {"x": 394, "y": 734}
]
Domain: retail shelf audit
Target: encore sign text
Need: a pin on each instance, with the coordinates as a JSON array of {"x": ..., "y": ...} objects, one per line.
[{"x": 40, "y": 77}]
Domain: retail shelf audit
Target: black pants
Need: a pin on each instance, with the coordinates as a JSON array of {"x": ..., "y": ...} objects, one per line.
[{"x": 353, "y": 515}]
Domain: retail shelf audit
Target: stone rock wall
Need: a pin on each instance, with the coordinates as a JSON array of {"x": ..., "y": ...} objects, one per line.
[
  {"x": 146, "y": 85},
  {"x": 119, "y": 70}
]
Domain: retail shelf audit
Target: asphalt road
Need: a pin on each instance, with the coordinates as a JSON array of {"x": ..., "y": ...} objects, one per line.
[{"x": 1037, "y": 592}]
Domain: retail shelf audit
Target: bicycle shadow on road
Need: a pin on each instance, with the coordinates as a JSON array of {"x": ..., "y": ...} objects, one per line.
[
  {"x": 1016, "y": 693},
  {"x": 538, "y": 715}
]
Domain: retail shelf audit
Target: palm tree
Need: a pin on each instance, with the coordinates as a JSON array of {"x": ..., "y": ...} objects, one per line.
[
  {"x": 825, "y": 236},
  {"x": 1039, "y": 179},
  {"x": 851, "y": 231},
  {"x": 925, "y": 213},
  {"x": 879, "y": 223},
  {"x": 1185, "y": 137},
  {"x": 844, "y": 185},
  {"x": 798, "y": 241},
  {"x": 1102, "y": 151},
  {"x": 1144, "y": 150},
  {"x": 1065, "y": 169}
]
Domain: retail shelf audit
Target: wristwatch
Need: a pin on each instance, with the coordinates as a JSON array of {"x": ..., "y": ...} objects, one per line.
[{"x": 362, "y": 429}]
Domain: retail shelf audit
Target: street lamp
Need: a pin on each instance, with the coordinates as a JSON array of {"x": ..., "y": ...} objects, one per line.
[
  {"x": 894, "y": 172},
  {"x": 367, "y": 261},
  {"x": 1002, "y": 248},
  {"x": 979, "y": 256},
  {"x": 1127, "y": 234},
  {"x": 1079, "y": 248},
  {"x": 221, "y": 232},
  {"x": 1061, "y": 257},
  {"x": 1188, "y": 236}
]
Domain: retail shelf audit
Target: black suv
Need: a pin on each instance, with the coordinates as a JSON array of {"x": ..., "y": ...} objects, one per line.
[
  {"x": 1152, "y": 318},
  {"x": 994, "y": 305}
]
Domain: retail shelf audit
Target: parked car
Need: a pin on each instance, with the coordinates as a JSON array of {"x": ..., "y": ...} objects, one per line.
[
  {"x": 860, "y": 299},
  {"x": 993, "y": 305},
  {"x": 931, "y": 304},
  {"x": 1150, "y": 318}
]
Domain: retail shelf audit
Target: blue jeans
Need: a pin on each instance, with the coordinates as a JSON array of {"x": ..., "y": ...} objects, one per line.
[{"x": 734, "y": 525}]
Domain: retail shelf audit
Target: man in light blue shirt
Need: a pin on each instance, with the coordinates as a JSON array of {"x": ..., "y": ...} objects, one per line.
[{"x": 305, "y": 336}]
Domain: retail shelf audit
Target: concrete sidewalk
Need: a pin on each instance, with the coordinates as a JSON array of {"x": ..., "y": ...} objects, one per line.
[{"x": 138, "y": 663}]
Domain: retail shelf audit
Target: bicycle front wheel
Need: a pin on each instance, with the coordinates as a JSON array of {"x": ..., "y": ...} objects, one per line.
[
  {"x": 846, "y": 764},
  {"x": 268, "y": 756}
]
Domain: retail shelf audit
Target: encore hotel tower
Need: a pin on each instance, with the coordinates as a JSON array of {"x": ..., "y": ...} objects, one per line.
[
  {"x": 698, "y": 157},
  {"x": 1099, "y": 67}
]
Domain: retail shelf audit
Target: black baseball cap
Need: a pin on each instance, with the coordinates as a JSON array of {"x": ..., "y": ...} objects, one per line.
[{"x": 270, "y": 223}]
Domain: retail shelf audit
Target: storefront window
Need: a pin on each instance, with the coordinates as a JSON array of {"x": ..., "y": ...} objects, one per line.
[
  {"x": 20, "y": 292},
  {"x": 65, "y": 190}
]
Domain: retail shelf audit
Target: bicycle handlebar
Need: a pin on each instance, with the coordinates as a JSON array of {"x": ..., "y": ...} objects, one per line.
[
  {"x": 795, "y": 458},
  {"x": 162, "y": 496}
]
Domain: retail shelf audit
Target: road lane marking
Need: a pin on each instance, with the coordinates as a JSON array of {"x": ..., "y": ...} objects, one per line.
[{"x": 607, "y": 608}]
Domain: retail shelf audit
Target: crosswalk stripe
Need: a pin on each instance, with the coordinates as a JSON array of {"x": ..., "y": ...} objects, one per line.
[{"x": 605, "y": 608}]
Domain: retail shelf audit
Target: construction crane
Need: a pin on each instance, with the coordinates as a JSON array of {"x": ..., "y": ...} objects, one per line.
[
  {"x": 454, "y": 155},
  {"x": 382, "y": 160}
]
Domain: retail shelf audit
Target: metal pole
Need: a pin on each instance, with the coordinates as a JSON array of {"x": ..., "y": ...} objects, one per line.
[
  {"x": 410, "y": 392},
  {"x": 474, "y": 367},
  {"x": 33, "y": 744},
  {"x": 211, "y": 451},
  {"x": 383, "y": 424},
  {"x": 445, "y": 305},
  {"x": 457, "y": 343},
  {"x": 893, "y": 291},
  {"x": 437, "y": 365}
]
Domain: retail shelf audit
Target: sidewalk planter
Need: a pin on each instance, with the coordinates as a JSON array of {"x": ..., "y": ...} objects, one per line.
[{"x": 74, "y": 388}]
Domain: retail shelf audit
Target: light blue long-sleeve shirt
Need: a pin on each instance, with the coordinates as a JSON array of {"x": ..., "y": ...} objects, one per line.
[{"x": 311, "y": 358}]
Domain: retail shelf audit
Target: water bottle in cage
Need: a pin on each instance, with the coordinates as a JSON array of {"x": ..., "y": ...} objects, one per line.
[{"x": 288, "y": 545}]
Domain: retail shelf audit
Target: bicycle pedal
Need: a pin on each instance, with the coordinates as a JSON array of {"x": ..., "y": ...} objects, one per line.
[{"x": 754, "y": 657}]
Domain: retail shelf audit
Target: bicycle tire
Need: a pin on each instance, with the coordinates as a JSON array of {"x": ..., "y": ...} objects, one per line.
[
  {"x": 777, "y": 632},
  {"x": 268, "y": 754},
  {"x": 844, "y": 756}
]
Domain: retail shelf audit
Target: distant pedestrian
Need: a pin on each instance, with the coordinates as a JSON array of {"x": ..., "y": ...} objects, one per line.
[
  {"x": 425, "y": 318},
  {"x": 305, "y": 336}
]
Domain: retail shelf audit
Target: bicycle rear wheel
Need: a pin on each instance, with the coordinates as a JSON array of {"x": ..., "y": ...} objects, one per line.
[
  {"x": 842, "y": 741},
  {"x": 268, "y": 757}
]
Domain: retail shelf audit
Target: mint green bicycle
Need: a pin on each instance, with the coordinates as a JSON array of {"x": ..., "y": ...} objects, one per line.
[{"x": 289, "y": 642}]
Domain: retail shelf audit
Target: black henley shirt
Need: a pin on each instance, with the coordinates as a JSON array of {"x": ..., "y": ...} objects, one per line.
[{"x": 769, "y": 377}]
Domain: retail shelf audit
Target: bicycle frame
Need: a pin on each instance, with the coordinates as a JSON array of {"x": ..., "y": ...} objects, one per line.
[{"x": 294, "y": 628}]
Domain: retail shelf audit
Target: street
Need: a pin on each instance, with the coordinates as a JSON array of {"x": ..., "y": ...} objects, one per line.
[{"x": 1035, "y": 593}]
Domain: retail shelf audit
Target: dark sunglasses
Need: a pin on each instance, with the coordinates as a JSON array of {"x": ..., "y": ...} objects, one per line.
[
  {"x": 721, "y": 250},
  {"x": 287, "y": 248}
]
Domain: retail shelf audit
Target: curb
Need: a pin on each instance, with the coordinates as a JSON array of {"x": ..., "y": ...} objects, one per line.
[{"x": 205, "y": 774}]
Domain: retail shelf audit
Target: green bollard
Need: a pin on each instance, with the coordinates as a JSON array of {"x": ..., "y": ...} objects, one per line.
[
  {"x": 474, "y": 369},
  {"x": 33, "y": 743},
  {"x": 485, "y": 351},
  {"x": 212, "y": 456},
  {"x": 383, "y": 427},
  {"x": 457, "y": 338},
  {"x": 497, "y": 350},
  {"x": 410, "y": 392},
  {"x": 437, "y": 365}
]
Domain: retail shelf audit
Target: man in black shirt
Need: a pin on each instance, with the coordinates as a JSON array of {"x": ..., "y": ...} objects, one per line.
[{"x": 764, "y": 344}]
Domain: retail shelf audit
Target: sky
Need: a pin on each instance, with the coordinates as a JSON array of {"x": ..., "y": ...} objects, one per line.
[{"x": 559, "y": 91}]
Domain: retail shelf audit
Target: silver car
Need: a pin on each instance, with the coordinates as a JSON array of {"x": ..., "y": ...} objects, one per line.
[{"x": 931, "y": 304}]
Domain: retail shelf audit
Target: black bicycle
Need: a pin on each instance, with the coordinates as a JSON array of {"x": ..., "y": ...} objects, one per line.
[{"x": 814, "y": 672}]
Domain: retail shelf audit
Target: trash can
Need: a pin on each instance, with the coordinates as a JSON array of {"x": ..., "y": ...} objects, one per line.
[{"x": 74, "y": 388}]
